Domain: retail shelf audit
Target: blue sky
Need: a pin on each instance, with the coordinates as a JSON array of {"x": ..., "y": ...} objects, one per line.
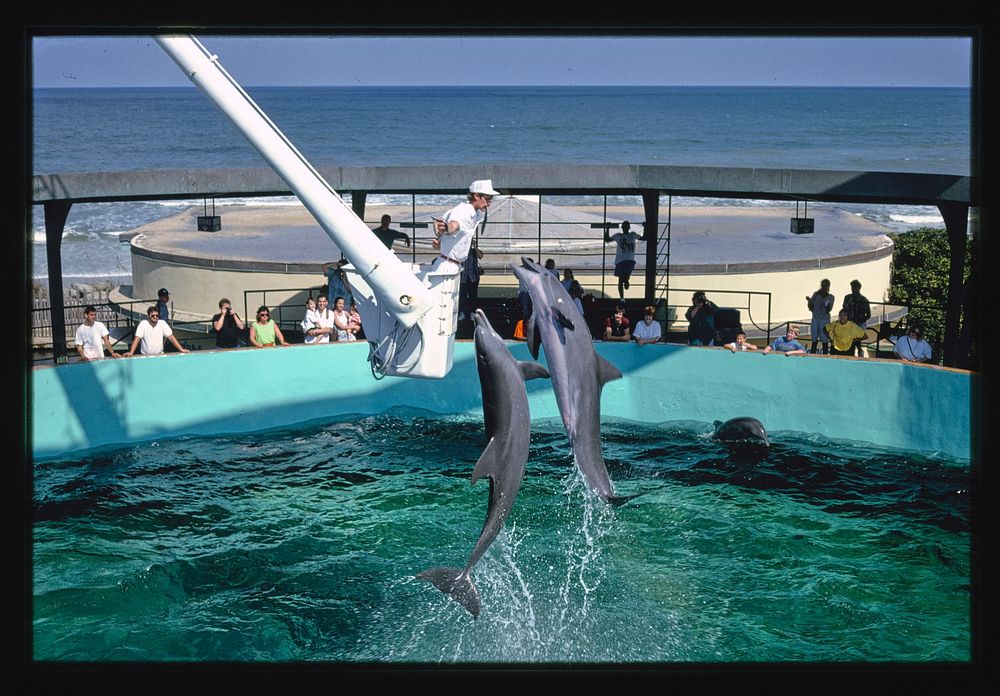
[{"x": 100, "y": 61}]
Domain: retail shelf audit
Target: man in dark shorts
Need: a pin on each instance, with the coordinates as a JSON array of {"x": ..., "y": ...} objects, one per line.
[{"x": 624, "y": 254}]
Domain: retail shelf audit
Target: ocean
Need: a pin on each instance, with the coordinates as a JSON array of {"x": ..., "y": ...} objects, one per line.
[{"x": 925, "y": 130}]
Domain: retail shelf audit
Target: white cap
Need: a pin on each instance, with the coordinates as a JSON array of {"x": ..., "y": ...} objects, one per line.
[{"x": 483, "y": 186}]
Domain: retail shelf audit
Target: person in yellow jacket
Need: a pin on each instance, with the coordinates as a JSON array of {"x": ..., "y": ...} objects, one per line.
[{"x": 843, "y": 333}]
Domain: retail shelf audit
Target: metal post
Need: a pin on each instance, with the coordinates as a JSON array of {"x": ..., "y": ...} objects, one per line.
[
  {"x": 56, "y": 213},
  {"x": 956, "y": 222},
  {"x": 651, "y": 206}
]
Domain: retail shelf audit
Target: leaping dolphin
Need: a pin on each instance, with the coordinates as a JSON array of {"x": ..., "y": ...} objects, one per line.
[
  {"x": 508, "y": 431},
  {"x": 578, "y": 372}
]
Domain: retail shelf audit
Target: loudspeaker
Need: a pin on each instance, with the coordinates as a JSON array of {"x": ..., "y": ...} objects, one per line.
[
  {"x": 803, "y": 225},
  {"x": 209, "y": 223}
]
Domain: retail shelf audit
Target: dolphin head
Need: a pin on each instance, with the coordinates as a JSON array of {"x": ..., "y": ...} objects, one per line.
[
  {"x": 489, "y": 344},
  {"x": 543, "y": 286}
]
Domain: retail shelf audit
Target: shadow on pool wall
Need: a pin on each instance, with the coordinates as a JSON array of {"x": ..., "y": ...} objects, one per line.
[{"x": 86, "y": 406}]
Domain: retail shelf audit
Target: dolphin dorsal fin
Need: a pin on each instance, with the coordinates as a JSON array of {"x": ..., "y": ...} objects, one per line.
[
  {"x": 532, "y": 336},
  {"x": 606, "y": 372},
  {"x": 487, "y": 464},
  {"x": 564, "y": 321},
  {"x": 532, "y": 370}
]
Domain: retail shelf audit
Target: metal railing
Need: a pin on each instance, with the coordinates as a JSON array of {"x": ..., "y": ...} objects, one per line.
[{"x": 746, "y": 304}]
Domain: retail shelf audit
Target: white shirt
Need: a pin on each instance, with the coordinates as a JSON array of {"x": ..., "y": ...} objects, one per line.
[
  {"x": 911, "y": 348},
  {"x": 309, "y": 322},
  {"x": 647, "y": 331},
  {"x": 456, "y": 246},
  {"x": 626, "y": 245},
  {"x": 92, "y": 340},
  {"x": 324, "y": 321},
  {"x": 152, "y": 337}
]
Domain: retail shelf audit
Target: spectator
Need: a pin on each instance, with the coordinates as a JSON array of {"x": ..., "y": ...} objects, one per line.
[
  {"x": 550, "y": 266},
  {"x": 789, "y": 344},
  {"x": 308, "y": 322},
  {"x": 616, "y": 326},
  {"x": 519, "y": 330},
  {"x": 92, "y": 337},
  {"x": 150, "y": 333},
  {"x": 701, "y": 320},
  {"x": 568, "y": 279},
  {"x": 354, "y": 319},
  {"x": 468, "y": 291},
  {"x": 264, "y": 332},
  {"x": 859, "y": 311},
  {"x": 740, "y": 344},
  {"x": 337, "y": 284},
  {"x": 912, "y": 347},
  {"x": 227, "y": 326},
  {"x": 342, "y": 322},
  {"x": 317, "y": 325},
  {"x": 647, "y": 330},
  {"x": 820, "y": 303},
  {"x": 163, "y": 304},
  {"x": 388, "y": 235},
  {"x": 624, "y": 254},
  {"x": 843, "y": 334}
]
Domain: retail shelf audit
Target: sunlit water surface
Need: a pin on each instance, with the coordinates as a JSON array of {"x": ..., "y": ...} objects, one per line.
[{"x": 302, "y": 545}]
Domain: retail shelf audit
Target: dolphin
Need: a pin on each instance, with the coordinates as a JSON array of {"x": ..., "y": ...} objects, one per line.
[
  {"x": 508, "y": 431},
  {"x": 578, "y": 372},
  {"x": 741, "y": 431}
]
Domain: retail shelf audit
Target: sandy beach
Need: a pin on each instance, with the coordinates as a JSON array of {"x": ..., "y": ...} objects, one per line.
[{"x": 699, "y": 235}]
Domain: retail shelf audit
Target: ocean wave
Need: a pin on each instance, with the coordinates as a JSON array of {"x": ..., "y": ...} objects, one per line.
[{"x": 917, "y": 219}]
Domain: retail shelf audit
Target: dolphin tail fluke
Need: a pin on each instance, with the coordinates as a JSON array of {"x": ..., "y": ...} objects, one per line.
[
  {"x": 606, "y": 372},
  {"x": 456, "y": 583},
  {"x": 616, "y": 500}
]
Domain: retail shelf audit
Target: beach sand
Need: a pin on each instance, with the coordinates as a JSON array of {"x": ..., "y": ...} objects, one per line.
[{"x": 699, "y": 235}]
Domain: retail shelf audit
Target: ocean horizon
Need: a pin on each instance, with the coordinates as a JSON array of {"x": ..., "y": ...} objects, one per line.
[{"x": 95, "y": 129}]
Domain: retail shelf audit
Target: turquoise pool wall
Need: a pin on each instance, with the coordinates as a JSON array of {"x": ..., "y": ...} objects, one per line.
[{"x": 85, "y": 406}]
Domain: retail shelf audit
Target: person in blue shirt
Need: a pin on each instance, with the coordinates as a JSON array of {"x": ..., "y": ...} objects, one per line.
[
  {"x": 789, "y": 344},
  {"x": 162, "y": 304}
]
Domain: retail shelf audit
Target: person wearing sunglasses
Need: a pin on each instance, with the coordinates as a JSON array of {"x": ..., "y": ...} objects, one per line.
[
  {"x": 150, "y": 334},
  {"x": 264, "y": 332}
]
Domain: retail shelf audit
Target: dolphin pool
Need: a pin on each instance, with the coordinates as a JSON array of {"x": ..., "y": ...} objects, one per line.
[
  {"x": 207, "y": 526},
  {"x": 302, "y": 545}
]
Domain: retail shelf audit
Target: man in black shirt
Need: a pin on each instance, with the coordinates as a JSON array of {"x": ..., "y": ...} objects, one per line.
[{"x": 227, "y": 325}]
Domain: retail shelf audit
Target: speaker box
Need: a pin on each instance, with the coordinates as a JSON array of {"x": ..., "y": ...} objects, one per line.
[
  {"x": 802, "y": 225},
  {"x": 209, "y": 223}
]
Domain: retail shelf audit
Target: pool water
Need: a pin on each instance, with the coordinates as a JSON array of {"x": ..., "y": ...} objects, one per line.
[{"x": 302, "y": 545}]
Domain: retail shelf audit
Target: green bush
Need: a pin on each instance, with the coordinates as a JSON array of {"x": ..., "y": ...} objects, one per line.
[{"x": 920, "y": 266}]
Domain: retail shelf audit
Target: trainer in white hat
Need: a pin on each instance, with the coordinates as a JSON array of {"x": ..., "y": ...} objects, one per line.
[
  {"x": 483, "y": 186},
  {"x": 457, "y": 229}
]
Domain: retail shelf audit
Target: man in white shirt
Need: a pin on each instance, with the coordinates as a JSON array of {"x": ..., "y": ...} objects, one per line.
[
  {"x": 324, "y": 321},
  {"x": 457, "y": 230},
  {"x": 624, "y": 253},
  {"x": 647, "y": 330},
  {"x": 91, "y": 335},
  {"x": 151, "y": 332},
  {"x": 911, "y": 347}
]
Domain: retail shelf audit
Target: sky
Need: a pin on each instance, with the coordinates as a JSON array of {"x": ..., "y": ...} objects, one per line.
[{"x": 127, "y": 61}]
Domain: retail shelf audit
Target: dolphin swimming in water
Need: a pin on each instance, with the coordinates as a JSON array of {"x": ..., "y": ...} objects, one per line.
[
  {"x": 742, "y": 431},
  {"x": 508, "y": 431},
  {"x": 578, "y": 372}
]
